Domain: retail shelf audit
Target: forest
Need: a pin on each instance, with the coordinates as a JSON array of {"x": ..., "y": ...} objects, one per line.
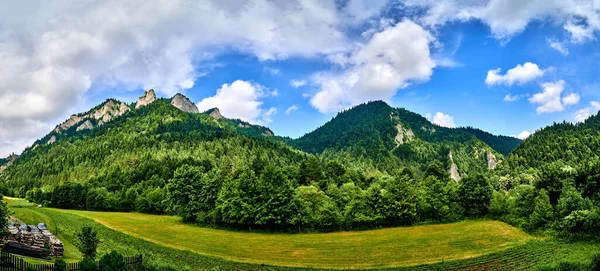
[{"x": 354, "y": 172}]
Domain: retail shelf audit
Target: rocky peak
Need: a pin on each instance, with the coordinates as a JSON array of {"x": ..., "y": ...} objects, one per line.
[
  {"x": 215, "y": 113},
  {"x": 109, "y": 110},
  {"x": 184, "y": 104},
  {"x": 148, "y": 97}
]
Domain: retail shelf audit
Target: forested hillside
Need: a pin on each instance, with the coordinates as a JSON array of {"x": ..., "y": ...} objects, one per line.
[
  {"x": 162, "y": 157},
  {"x": 500, "y": 143},
  {"x": 393, "y": 138},
  {"x": 551, "y": 181}
]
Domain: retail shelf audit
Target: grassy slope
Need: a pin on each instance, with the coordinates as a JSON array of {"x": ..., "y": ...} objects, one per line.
[
  {"x": 533, "y": 253},
  {"x": 374, "y": 248}
]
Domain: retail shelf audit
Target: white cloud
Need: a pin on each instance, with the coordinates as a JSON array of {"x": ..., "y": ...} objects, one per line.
[
  {"x": 272, "y": 71},
  {"x": 558, "y": 46},
  {"x": 53, "y": 52},
  {"x": 571, "y": 99},
  {"x": 523, "y": 135},
  {"x": 583, "y": 114},
  {"x": 291, "y": 109},
  {"x": 240, "y": 100},
  {"x": 520, "y": 74},
  {"x": 550, "y": 99},
  {"x": 505, "y": 18},
  {"x": 297, "y": 83},
  {"x": 513, "y": 98},
  {"x": 442, "y": 119},
  {"x": 392, "y": 59}
]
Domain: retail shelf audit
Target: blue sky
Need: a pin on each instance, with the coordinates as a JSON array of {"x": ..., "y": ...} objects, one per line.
[{"x": 436, "y": 58}]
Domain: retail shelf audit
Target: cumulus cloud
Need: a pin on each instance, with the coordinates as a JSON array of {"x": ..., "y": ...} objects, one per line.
[
  {"x": 558, "y": 46},
  {"x": 520, "y": 74},
  {"x": 53, "y": 52},
  {"x": 297, "y": 83},
  {"x": 442, "y": 119},
  {"x": 523, "y": 135},
  {"x": 551, "y": 99},
  {"x": 240, "y": 100},
  {"x": 291, "y": 109},
  {"x": 581, "y": 19},
  {"x": 583, "y": 114},
  {"x": 392, "y": 59}
]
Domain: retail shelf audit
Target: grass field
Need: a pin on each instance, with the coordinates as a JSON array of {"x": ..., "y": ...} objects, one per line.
[
  {"x": 363, "y": 249},
  {"x": 409, "y": 245}
]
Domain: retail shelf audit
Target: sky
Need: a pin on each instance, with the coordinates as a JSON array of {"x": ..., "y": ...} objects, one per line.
[{"x": 508, "y": 67}]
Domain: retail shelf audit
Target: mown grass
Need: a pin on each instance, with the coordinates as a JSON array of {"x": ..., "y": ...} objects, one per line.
[
  {"x": 535, "y": 252},
  {"x": 341, "y": 250}
]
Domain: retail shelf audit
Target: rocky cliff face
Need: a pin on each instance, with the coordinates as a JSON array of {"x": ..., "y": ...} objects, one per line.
[
  {"x": 453, "y": 169},
  {"x": 148, "y": 97},
  {"x": 184, "y": 104},
  {"x": 110, "y": 110},
  {"x": 404, "y": 135},
  {"x": 105, "y": 113},
  {"x": 87, "y": 125},
  {"x": 11, "y": 159},
  {"x": 215, "y": 113},
  {"x": 491, "y": 160}
]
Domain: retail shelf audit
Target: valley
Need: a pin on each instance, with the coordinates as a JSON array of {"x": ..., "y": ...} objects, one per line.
[{"x": 375, "y": 187}]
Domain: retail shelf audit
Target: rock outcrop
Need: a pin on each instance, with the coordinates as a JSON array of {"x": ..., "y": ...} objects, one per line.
[
  {"x": 51, "y": 140},
  {"x": 74, "y": 119},
  {"x": 146, "y": 99},
  {"x": 105, "y": 113},
  {"x": 184, "y": 104},
  {"x": 87, "y": 125},
  {"x": 215, "y": 113},
  {"x": 491, "y": 160},
  {"x": 109, "y": 111},
  {"x": 404, "y": 135},
  {"x": 11, "y": 159},
  {"x": 453, "y": 169}
]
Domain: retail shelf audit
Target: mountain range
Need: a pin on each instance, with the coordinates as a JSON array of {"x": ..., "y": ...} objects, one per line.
[{"x": 375, "y": 132}]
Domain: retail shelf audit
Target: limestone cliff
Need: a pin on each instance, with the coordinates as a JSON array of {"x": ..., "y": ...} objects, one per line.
[
  {"x": 184, "y": 104},
  {"x": 146, "y": 99}
]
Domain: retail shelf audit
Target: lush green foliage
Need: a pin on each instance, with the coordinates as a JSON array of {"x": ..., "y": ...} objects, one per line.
[
  {"x": 552, "y": 181},
  {"x": 87, "y": 242},
  {"x": 112, "y": 261},
  {"x": 502, "y": 144},
  {"x": 157, "y": 159}
]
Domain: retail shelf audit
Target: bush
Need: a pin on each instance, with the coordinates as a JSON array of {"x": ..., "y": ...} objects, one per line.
[
  {"x": 563, "y": 266},
  {"x": 88, "y": 264},
  {"x": 60, "y": 265},
  {"x": 112, "y": 261},
  {"x": 595, "y": 266}
]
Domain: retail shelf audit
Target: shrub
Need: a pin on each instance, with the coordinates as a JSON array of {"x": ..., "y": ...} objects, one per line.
[
  {"x": 88, "y": 264},
  {"x": 60, "y": 265},
  {"x": 595, "y": 266},
  {"x": 112, "y": 261}
]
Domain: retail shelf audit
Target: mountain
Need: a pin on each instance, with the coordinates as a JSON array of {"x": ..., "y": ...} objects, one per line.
[
  {"x": 141, "y": 146},
  {"x": 161, "y": 156},
  {"x": 500, "y": 143},
  {"x": 397, "y": 136},
  {"x": 561, "y": 142}
]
